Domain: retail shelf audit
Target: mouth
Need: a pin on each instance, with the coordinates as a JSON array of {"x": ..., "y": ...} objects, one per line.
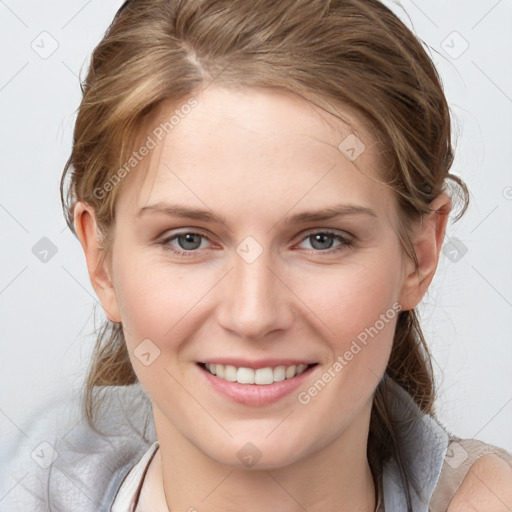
[{"x": 264, "y": 376}]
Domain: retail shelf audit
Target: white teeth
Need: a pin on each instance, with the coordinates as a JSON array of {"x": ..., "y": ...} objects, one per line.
[
  {"x": 219, "y": 371},
  {"x": 261, "y": 376},
  {"x": 245, "y": 376},
  {"x": 279, "y": 374},
  {"x": 301, "y": 368},
  {"x": 230, "y": 373},
  {"x": 290, "y": 372}
]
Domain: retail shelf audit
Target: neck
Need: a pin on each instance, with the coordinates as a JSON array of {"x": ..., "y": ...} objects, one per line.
[{"x": 337, "y": 477}]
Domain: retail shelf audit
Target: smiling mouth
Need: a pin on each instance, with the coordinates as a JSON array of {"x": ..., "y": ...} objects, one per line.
[{"x": 260, "y": 376}]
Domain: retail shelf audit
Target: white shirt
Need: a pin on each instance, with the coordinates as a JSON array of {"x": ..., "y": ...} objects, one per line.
[{"x": 135, "y": 493}]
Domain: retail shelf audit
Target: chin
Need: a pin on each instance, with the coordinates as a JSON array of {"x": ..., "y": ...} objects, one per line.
[{"x": 259, "y": 454}]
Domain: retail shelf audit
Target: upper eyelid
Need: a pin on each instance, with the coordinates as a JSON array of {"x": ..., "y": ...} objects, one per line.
[
  {"x": 174, "y": 236},
  {"x": 301, "y": 236},
  {"x": 332, "y": 232}
]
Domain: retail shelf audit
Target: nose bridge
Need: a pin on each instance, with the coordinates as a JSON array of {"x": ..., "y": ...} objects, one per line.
[{"x": 254, "y": 303}]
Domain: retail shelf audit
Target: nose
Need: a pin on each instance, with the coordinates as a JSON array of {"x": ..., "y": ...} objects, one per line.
[{"x": 254, "y": 300}]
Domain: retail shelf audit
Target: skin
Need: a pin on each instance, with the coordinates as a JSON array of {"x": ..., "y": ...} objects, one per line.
[
  {"x": 256, "y": 156},
  {"x": 487, "y": 487}
]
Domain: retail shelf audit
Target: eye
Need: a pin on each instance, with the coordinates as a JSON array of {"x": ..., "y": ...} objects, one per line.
[
  {"x": 187, "y": 243},
  {"x": 323, "y": 240}
]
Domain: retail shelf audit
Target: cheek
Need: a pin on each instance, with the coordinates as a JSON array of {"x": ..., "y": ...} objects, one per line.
[
  {"x": 153, "y": 305},
  {"x": 357, "y": 298},
  {"x": 158, "y": 300},
  {"x": 351, "y": 299},
  {"x": 358, "y": 308},
  {"x": 151, "y": 300},
  {"x": 361, "y": 310}
]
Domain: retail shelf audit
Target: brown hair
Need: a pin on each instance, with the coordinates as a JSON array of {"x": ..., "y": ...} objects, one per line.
[{"x": 333, "y": 53}]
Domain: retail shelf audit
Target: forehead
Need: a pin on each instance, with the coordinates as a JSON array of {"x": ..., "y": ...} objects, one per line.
[{"x": 253, "y": 149}]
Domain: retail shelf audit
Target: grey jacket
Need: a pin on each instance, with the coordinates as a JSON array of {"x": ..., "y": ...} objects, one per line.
[{"x": 60, "y": 464}]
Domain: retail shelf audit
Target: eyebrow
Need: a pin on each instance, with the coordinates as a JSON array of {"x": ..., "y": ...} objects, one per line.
[
  {"x": 322, "y": 214},
  {"x": 329, "y": 213}
]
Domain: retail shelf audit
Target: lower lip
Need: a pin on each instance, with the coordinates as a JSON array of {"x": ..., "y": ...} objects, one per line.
[{"x": 256, "y": 394}]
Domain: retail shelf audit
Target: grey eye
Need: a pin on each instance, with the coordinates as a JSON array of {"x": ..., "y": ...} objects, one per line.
[
  {"x": 321, "y": 241},
  {"x": 189, "y": 241}
]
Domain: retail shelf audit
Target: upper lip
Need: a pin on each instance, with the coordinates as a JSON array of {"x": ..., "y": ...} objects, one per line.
[{"x": 255, "y": 365}]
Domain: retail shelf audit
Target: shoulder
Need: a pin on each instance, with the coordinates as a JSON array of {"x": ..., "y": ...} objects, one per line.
[
  {"x": 27, "y": 452},
  {"x": 487, "y": 487},
  {"x": 55, "y": 460}
]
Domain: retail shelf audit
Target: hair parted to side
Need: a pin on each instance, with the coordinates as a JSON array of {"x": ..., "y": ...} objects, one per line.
[{"x": 333, "y": 53}]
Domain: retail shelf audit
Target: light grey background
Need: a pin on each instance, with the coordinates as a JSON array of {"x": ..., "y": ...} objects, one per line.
[{"x": 46, "y": 306}]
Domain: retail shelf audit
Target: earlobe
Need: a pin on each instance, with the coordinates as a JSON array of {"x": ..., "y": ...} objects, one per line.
[
  {"x": 92, "y": 244},
  {"x": 427, "y": 240}
]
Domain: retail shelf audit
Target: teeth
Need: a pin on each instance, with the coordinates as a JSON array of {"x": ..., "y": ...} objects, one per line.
[
  {"x": 290, "y": 371},
  {"x": 245, "y": 376},
  {"x": 261, "y": 376},
  {"x": 301, "y": 368},
  {"x": 279, "y": 373},
  {"x": 230, "y": 373}
]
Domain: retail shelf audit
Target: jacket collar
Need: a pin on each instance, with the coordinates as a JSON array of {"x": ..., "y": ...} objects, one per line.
[{"x": 423, "y": 442}]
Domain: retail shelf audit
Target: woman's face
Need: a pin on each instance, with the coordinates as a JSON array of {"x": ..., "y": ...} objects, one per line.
[{"x": 247, "y": 239}]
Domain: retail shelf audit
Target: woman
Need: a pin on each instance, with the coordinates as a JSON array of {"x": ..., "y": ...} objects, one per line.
[{"x": 260, "y": 191}]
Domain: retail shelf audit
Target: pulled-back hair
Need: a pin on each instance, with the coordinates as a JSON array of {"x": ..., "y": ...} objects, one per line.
[{"x": 333, "y": 53}]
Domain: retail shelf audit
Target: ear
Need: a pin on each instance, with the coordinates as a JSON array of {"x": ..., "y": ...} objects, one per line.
[
  {"x": 99, "y": 274},
  {"x": 427, "y": 240}
]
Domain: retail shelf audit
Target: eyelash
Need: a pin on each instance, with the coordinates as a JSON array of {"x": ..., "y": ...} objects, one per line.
[{"x": 346, "y": 243}]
